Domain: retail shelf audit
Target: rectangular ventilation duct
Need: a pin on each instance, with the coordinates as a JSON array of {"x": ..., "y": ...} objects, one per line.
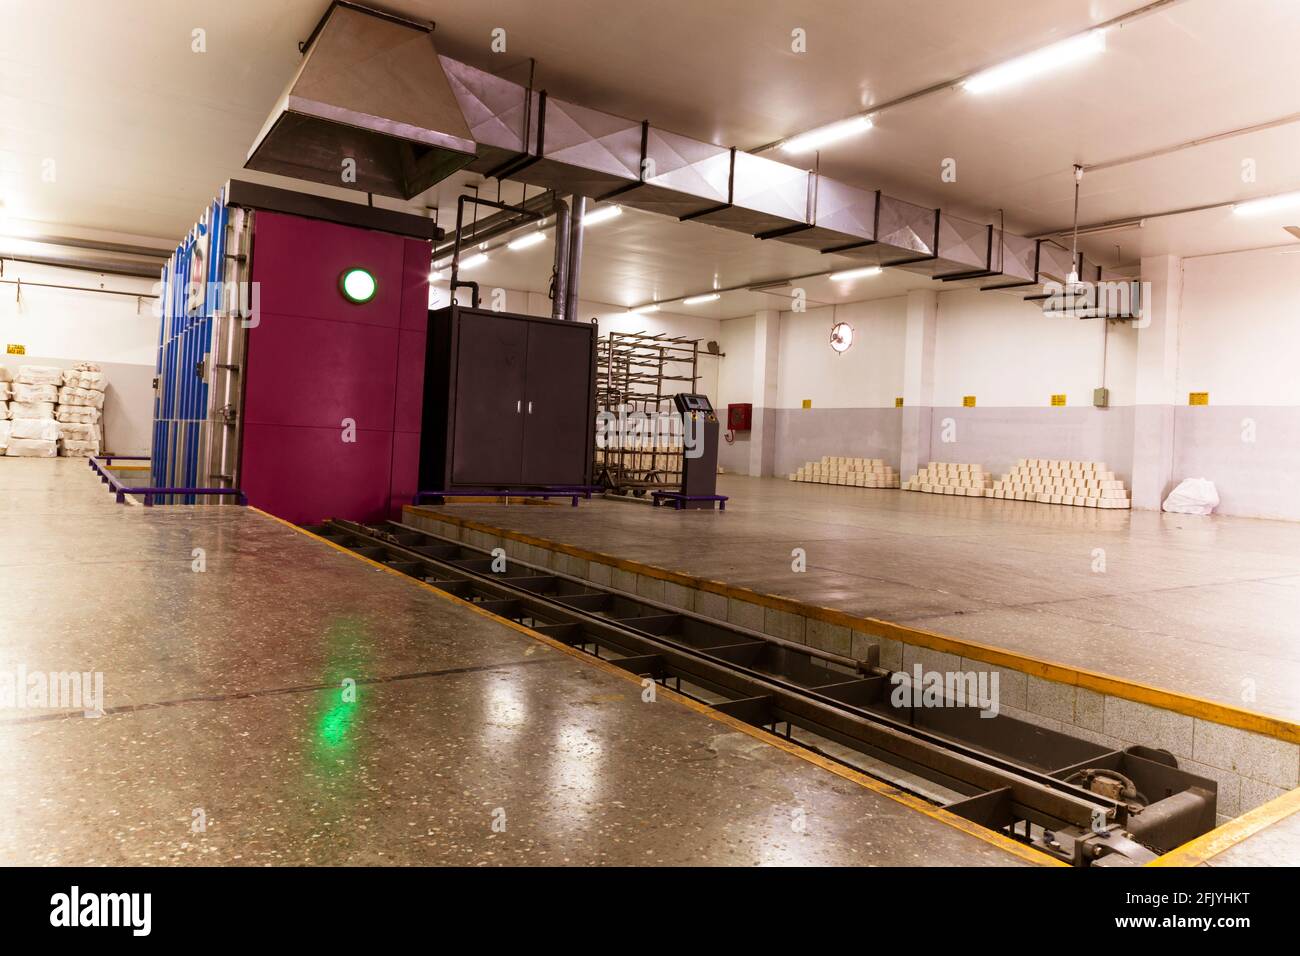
[
  {"x": 843, "y": 216},
  {"x": 502, "y": 116},
  {"x": 585, "y": 152},
  {"x": 962, "y": 247},
  {"x": 765, "y": 196},
  {"x": 682, "y": 176},
  {"x": 372, "y": 89}
]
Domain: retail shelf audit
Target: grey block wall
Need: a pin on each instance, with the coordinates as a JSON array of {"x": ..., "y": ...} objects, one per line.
[
  {"x": 1251, "y": 453},
  {"x": 997, "y": 437},
  {"x": 806, "y": 434}
]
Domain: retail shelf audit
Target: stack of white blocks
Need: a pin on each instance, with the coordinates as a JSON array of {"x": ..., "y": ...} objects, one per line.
[
  {"x": 1087, "y": 484},
  {"x": 81, "y": 405},
  {"x": 951, "y": 478},
  {"x": 854, "y": 472},
  {"x": 31, "y": 431}
]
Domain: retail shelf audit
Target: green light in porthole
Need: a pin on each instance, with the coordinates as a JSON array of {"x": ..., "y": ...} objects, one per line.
[{"x": 358, "y": 285}]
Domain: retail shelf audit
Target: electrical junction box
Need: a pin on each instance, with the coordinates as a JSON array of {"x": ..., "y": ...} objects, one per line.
[
  {"x": 1101, "y": 397},
  {"x": 740, "y": 417}
]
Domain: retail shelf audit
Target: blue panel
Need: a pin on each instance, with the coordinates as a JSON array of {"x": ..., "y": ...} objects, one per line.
[{"x": 185, "y": 343}]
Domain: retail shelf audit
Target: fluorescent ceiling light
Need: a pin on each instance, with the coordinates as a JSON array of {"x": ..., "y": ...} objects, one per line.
[
  {"x": 602, "y": 214},
  {"x": 437, "y": 275},
  {"x": 856, "y": 273},
  {"x": 1262, "y": 207},
  {"x": 642, "y": 309},
  {"x": 1040, "y": 61},
  {"x": 830, "y": 133},
  {"x": 1102, "y": 228},
  {"x": 474, "y": 261},
  {"x": 526, "y": 240},
  {"x": 700, "y": 299}
]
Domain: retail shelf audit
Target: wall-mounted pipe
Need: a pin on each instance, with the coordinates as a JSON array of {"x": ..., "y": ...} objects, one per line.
[
  {"x": 111, "y": 267},
  {"x": 95, "y": 245}
]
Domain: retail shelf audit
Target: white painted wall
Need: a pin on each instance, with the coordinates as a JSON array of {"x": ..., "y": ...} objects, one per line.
[
  {"x": 62, "y": 327},
  {"x": 868, "y": 375},
  {"x": 1007, "y": 354},
  {"x": 78, "y": 326},
  {"x": 1239, "y": 337},
  {"x": 736, "y": 370}
]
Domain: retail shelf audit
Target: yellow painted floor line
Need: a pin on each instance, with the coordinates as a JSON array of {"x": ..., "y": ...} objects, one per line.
[
  {"x": 1209, "y": 845},
  {"x": 1186, "y": 704},
  {"x": 1005, "y": 843}
]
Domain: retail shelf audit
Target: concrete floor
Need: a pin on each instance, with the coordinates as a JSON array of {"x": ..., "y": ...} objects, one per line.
[
  {"x": 226, "y": 737},
  {"x": 1201, "y": 606}
]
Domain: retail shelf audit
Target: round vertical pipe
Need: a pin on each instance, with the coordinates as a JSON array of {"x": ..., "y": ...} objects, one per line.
[
  {"x": 560, "y": 274},
  {"x": 576, "y": 211}
]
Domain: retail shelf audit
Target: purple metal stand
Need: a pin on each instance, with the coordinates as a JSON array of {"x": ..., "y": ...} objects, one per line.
[
  {"x": 101, "y": 465},
  {"x": 572, "y": 492},
  {"x": 679, "y": 500}
]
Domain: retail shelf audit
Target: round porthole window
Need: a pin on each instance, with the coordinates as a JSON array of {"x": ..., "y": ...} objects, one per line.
[
  {"x": 358, "y": 285},
  {"x": 841, "y": 336}
]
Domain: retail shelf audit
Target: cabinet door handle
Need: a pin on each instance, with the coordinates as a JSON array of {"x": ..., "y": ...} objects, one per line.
[
  {"x": 530, "y": 408},
  {"x": 519, "y": 406}
]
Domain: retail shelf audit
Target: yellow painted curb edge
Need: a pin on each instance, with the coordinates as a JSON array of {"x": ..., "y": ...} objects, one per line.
[{"x": 1209, "y": 845}]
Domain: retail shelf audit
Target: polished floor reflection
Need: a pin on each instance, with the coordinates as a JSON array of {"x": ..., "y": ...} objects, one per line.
[{"x": 268, "y": 699}]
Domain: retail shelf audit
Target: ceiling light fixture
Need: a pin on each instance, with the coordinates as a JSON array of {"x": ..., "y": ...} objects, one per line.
[
  {"x": 526, "y": 240},
  {"x": 1104, "y": 227},
  {"x": 1262, "y": 207},
  {"x": 474, "y": 261},
  {"x": 601, "y": 215},
  {"x": 850, "y": 274},
  {"x": 642, "y": 309},
  {"x": 700, "y": 299},
  {"x": 830, "y": 133},
  {"x": 1039, "y": 61}
]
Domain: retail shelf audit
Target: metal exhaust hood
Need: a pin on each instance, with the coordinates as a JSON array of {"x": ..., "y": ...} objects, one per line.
[{"x": 370, "y": 89}]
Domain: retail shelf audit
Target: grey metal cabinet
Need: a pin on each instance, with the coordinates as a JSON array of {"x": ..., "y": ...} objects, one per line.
[{"x": 509, "y": 401}]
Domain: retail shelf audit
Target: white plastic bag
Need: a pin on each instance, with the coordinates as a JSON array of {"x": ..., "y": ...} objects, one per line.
[
  {"x": 35, "y": 429},
  {"x": 1193, "y": 496},
  {"x": 73, "y": 431},
  {"x": 39, "y": 375},
  {"x": 27, "y": 448},
  {"x": 22, "y": 392},
  {"x": 79, "y": 449},
  {"x": 4, "y": 434},
  {"x": 31, "y": 410},
  {"x": 77, "y": 413}
]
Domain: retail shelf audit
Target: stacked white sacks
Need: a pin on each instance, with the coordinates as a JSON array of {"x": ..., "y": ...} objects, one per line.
[{"x": 32, "y": 431}]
